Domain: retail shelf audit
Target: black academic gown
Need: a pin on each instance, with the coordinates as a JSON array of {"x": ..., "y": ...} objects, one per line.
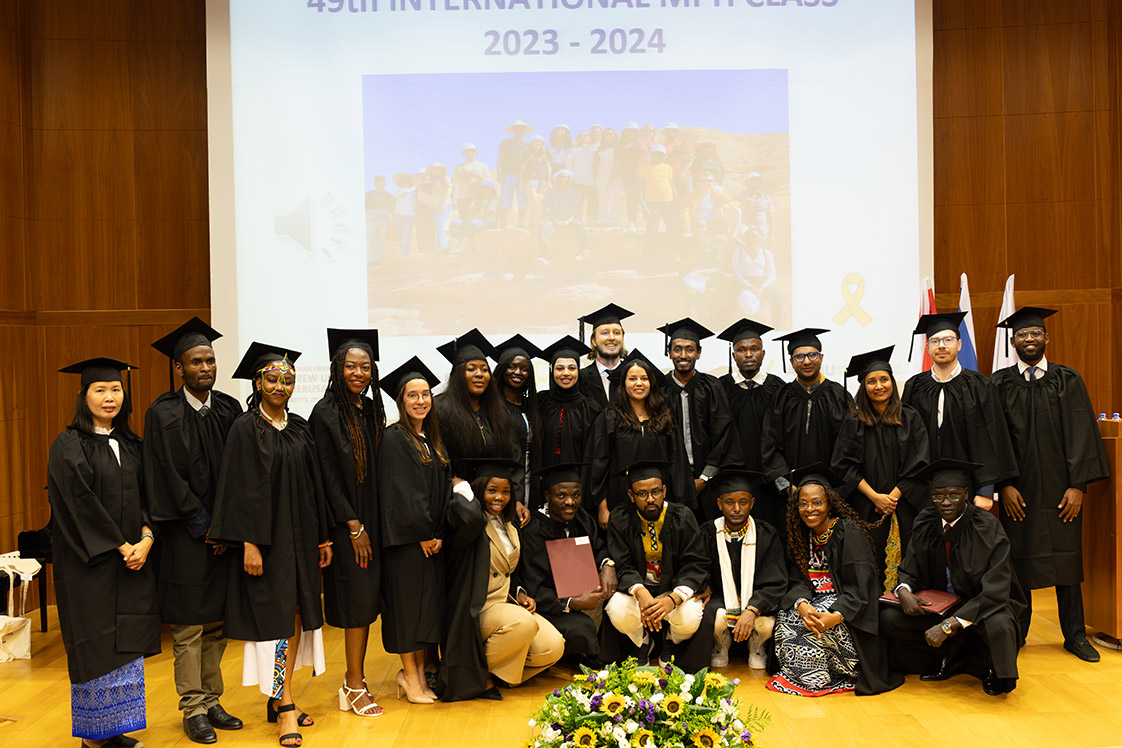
[
  {"x": 973, "y": 427},
  {"x": 1058, "y": 446},
  {"x": 768, "y": 586},
  {"x": 712, "y": 440},
  {"x": 351, "y": 594},
  {"x": 520, "y": 427},
  {"x": 463, "y": 665},
  {"x": 536, "y": 576},
  {"x": 981, "y": 573},
  {"x": 747, "y": 408},
  {"x": 886, "y": 457},
  {"x": 460, "y": 453},
  {"x": 612, "y": 449},
  {"x": 684, "y": 563},
  {"x": 108, "y": 614},
  {"x": 854, "y": 574},
  {"x": 801, "y": 426},
  {"x": 566, "y": 418},
  {"x": 592, "y": 386},
  {"x": 182, "y": 456},
  {"x": 270, "y": 494},
  {"x": 414, "y": 498}
]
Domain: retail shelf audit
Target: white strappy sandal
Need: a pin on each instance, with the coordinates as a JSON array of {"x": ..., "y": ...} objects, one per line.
[{"x": 348, "y": 697}]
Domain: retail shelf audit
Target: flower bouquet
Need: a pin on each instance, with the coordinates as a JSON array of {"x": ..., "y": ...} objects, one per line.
[{"x": 633, "y": 706}]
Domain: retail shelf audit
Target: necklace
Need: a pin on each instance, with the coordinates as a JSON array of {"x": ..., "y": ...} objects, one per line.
[
  {"x": 278, "y": 426},
  {"x": 736, "y": 534}
]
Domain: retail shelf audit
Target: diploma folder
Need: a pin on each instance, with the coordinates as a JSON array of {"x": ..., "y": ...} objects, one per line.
[
  {"x": 573, "y": 566},
  {"x": 939, "y": 601}
]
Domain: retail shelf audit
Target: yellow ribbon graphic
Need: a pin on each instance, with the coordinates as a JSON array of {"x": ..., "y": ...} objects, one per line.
[{"x": 853, "y": 289}]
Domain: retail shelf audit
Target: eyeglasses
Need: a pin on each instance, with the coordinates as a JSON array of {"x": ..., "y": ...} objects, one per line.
[
  {"x": 654, "y": 493},
  {"x": 813, "y": 356},
  {"x": 414, "y": 396},
  {"x": 945, "y": 340},
  {"x": 816, "y": 504},
  {"x": 1023, "y": 335}
]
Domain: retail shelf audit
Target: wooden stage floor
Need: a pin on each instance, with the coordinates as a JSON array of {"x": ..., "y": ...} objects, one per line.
[{"x": 1060, "y": 701}]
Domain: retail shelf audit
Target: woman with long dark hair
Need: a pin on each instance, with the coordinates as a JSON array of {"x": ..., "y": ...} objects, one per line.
[
  {"x": 102, "y": 535},
  {"x": 514, "y": 373},
  {"x": 414, "y": 485},
  {"x": 270, "y": 504},
  {"x": 347, "y": 425},
  {"x": 826, "y": 630},
  {"x": 638, "y": 426},
  {"x": 877, "y": 453}
]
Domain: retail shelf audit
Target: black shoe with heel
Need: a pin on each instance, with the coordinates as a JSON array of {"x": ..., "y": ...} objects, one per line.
[{"x": 304, "y": 720}]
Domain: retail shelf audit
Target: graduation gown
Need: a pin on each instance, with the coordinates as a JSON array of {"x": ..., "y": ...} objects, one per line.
[
  {"x": 712, "y": 440},
  {"x": 520, "y": 427},
  {"x": 886, "y": 457},
  {"x": 351, "y": 595},
  {"x": 463, "y": 666},
  {"x": 612, "y": 449},
  {"x": 270, "y": 494},
  {"x": 566, "y": 418},
  {"x": 1057, "y": 443},
  {"x": 770, "y": 581},
  {"x": 981, "y": 573},
  {"x": 973, "y": 427},
  {"x": 854, "y": 574},
  {"x": 458, "y": 453},
  {"x": 413, "y": 501},
  {"x": 747, "y": 409},
  {"x": 108, "y": 614},
  {"x": 801, "y": 426},
  {"x": 182, "y": 456},
  {"x": 592, "y": 385}
]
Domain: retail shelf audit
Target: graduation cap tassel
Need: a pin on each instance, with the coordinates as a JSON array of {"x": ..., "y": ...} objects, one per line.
[
  {"x": 171, "y": 376},
  {"x": 128, "y": 391},
  {"x": 730, "y": 360},
  {"x": 666, "y": 342},
  {"x": 580, "y": 333}
]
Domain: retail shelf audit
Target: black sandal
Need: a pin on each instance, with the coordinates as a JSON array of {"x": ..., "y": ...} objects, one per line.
[
  {"x": 289, "y": 735},
  {"x": 304, "y": 719}
]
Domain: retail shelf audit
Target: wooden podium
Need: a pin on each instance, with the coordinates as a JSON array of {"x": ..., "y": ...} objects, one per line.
[{"x": 1102, "y": 527}]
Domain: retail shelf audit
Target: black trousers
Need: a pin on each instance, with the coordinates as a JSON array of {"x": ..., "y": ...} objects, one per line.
[
  {"x": 991, "y": 642},
  {"x": 582, "y": 640},
  {"x": 1069, "y": 604}
]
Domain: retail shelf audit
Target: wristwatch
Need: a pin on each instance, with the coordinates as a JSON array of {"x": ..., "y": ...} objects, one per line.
[{"x": 948, "y": 629}]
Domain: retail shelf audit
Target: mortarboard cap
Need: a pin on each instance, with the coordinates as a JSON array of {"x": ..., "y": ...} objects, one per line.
[
  {"x": 932, "y": 324},
  {"x": 562, "y": 472},
  {"x": 260, "y": 355},
  {"x": 566, "y": 347},
  {"x": 366, "y": 339},
  {"x": 100, "y": 369},
  {"x": 612, "y": 314},
  {"x": 729, "y": 480},
  {"x": 645, "y": 470},
  {"x": 471, "y": 346},
  {"x": 684, "y": 329},
  {"x": 193, "y": 332},
  {"x": 818, "y": 473},
  {"x": 948, "y": 473},
  {"x": 804, "y": 337},
  {"x": 744, "y": 328},
  {"x": 863, "y": 363},
  {"x": 494, "y": 467},
  {"x": 518, "y": 346},
  {"x": 632, "y": 357},
  {"x": 414, "y": 368},
  {"x": 1026, "y": 316}
]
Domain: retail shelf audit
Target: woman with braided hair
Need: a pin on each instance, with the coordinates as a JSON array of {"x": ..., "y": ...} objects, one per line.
[
  {"x": 826, "y": 631},
  {"x": 348, "y": 425}
]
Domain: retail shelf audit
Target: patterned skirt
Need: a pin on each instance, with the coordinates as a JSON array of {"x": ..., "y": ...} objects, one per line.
[
  {"x": 110, "y": 705},
  {"x": 809, "y": 666}
]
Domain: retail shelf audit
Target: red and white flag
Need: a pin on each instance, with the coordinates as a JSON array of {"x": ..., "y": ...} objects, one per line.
[{"x": 922, "y": 361}]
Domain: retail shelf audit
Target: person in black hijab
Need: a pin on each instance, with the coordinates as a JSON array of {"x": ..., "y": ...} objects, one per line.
[
  {"x": 577, "y": 618},
  {"x": 960, "y": 409},
  {"x": 807, "y": 414},
  {"x": 599, "y": 381},
  {"x": 704, "y": 433},
  {"x": 514, "y": 375},
  {"x": 1059, "y": 451},
  {"x": 566, "y": 415},
  {"x": 750, "y": 392},
  {"x": 271, "y": 506},
  {"x": 347, "y": 426},
  {"x": 877, "y": 454},
  {"x": 962, "y": 549},
  {"x": 102, "y": 534},
  {"x": 184, "y": 436}
]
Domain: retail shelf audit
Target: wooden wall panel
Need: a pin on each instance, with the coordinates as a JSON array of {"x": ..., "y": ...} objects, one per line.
[
  {"x": 84, "y": 264},
  {"x": 173, "y": 264},
  {"x": 969, "y": 155},
  {"x": 1050, "y": 157},
  {"x": 81, "y": 175},
  {"x": 1047, "y": 68},
  {"x": 168, "y": 85},
  {"x": 11, "y": 170},
  {"x": 79, "y": 84},
  {"x": 10, "y": 48},
  {"x": 171, "y": 175},
  {"x": 967, "y": 72}
]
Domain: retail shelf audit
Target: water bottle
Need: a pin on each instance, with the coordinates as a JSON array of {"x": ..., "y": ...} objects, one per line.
[
  {"x": 1116, "y": 417},
  {"x": 1102, "y": 416}
]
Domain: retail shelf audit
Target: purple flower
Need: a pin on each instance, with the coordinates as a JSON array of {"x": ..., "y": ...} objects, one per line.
[
  {"x": 556, "y": 693},
  {"x": 736, "y": 681},
  {"x": 618, "y": 718},
  {"x": 745, "y": 736},
  {"x": 669, "y": 668},
  {"x": 594, "y": 702},
  {"x": 557, "y": 726},
  {"x": 662, "y": 682}
]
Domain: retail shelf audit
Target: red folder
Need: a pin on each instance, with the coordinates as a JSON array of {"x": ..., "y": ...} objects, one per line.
[
  {"x": 573, "y": 566},
  {"x": 938, "y": 601}
]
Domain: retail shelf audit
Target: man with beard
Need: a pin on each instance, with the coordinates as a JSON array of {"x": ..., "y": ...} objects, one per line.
[
  {"x": 184, "y": 434},
  {"x": 599, "y": 381},
  {"x": 703, "y": 428},
  {"x": 750, "y": 392},
  {"x": 1059, "y": 451}
]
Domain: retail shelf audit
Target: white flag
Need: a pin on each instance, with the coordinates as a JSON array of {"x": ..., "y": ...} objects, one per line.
[{"x": 1004, "y": 355}]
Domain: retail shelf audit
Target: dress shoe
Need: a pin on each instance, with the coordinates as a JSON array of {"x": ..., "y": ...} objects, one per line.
[
  {"x": 199, "y": 730},
  {"x": 221, "y": 719},
  {"x": 1081, "y": 648},
  {"x": 991, "y": 684},
  {"x": 124, "y": 741},
  {"x": 946, "y": 669}
]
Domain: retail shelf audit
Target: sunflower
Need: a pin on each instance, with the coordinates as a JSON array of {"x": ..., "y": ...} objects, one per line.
[
  {"x": 673, "y": 706},
  {"x": 644, "y": 678},
  {"x": 715, "y": 680},
  {"x": 643, "y": 739},
  {"x": 612, "y": 703},
  {"x": 584, "y": 737},
  {"x": 706, "y": 739}
]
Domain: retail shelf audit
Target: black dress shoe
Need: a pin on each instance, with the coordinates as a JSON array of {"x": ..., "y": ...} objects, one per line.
[
  {"x": 199, "y": 730},
  {"x": 492, "y": 694},
  {"x": 222, "y": 719},
  {"x": 991, "y": 684},
  {"x": 1081, "y": 648},
  {"x": 946, "y": 669}
]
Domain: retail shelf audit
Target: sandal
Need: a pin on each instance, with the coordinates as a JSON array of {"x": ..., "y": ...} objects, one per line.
[
  {"x": 304, "y": 720},
  {"x": 290, "y": 735},
  {"x": 348, "y": 697}
]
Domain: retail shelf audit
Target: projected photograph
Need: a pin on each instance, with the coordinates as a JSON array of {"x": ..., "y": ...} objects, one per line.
[{"x": 543, "y": 195}]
